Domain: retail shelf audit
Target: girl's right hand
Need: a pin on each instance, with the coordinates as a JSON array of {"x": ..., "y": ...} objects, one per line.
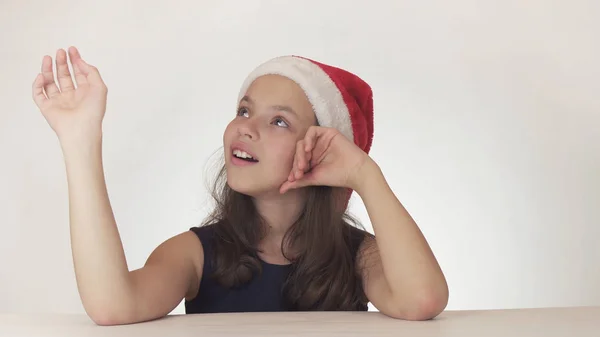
[{"x": 74, "y": 113}]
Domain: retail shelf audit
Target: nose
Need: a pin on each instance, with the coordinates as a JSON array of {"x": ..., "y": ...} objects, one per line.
[{"x": 248, "y": 130}]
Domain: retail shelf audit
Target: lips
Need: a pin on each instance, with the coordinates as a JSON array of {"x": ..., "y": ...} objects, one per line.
[{"x": 241, "y": 151}]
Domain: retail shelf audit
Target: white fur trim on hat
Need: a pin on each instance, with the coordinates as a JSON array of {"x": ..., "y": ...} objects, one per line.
[{"x": 325, "y": 97}]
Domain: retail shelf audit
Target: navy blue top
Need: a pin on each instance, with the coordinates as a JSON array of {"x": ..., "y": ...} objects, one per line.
[{"x": 261, "y": 294}]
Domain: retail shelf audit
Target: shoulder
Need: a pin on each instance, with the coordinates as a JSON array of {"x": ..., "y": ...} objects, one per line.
[
  {"x": 204, "y": 233},
  {"x": 184, "y": 245},
  {"x": 203, "y": 238},
  {"x": 182, "y": 253}
]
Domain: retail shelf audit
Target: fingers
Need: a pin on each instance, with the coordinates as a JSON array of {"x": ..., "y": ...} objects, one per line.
[
  {"x": 76, "y": 62},
  {"x": 301, "y": 160},
  {"x": 308, "y": 157},
  {"x": 294, "y": 173},
  {"x": 91, "y": 73},
  {"x": 44, "y": 85},
  {"x": 304, "y": 153},
  {"x": 63, "y": 74},
  {"x": 299, "y": 175},
  {"x": 48, "y": 75},
  {"x": 301, "y": 156},
  {"x": 85, "y": 73},
  {"x": 307, "y": 180},
  {"x": 38, "y": 90},
  {"x": 286, "y": 186},
  {"x": 310, "y": 138}
]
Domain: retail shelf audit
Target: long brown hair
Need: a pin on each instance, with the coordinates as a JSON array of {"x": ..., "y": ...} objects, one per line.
[{"x": 323, "y": 273}]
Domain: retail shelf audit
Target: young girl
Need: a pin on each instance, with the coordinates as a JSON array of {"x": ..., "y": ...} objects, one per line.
[{"x": 279, "y": 237}]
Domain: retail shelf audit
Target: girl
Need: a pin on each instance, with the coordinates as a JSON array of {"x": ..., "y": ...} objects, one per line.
[{"x": 279, "y": 237}]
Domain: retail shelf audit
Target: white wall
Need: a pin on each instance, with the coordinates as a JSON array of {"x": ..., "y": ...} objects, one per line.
[{"x": 487, "y": 128}]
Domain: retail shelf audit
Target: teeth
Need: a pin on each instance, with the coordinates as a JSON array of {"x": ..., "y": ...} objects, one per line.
[{"x": 242, "y": 154}]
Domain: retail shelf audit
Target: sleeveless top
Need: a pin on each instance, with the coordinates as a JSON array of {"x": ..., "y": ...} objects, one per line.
[{"x": 261, "y": 294}]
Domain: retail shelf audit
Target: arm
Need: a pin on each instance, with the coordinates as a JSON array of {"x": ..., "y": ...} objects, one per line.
[
  {"x": 400, "y": 273},
  {"x": 110, "y": 293}
]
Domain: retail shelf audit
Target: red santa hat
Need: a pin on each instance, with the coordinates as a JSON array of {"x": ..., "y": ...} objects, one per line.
[{"x": 340, "y": 99}]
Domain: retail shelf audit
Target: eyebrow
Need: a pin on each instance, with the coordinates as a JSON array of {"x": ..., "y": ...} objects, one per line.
[{"x": 274, "y": 107}]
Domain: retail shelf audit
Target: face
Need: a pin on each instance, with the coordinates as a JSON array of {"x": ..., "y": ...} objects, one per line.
[{"x": 272, "y": 117}]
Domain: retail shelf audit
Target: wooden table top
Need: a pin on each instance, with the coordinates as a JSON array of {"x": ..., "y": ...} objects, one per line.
[{"x": 547, "y": 322}]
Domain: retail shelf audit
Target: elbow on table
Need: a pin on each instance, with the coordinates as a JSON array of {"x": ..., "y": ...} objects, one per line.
[
  {"x": 428, "y": 309},
  {"x": 108, "y": 316},
  {"x": 420, "y": 308}
]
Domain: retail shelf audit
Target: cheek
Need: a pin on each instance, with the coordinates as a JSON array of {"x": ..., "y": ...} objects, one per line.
[
  {"x": 283, "y": 157},
  {"x": 229, "y": 128},
  {"x": 229, "y": 133}
]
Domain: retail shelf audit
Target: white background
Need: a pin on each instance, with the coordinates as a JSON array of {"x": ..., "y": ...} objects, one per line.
[{"x": 487, "y": 128}]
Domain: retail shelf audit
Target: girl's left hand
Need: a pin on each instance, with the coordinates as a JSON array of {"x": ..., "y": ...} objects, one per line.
[{"x": 325, "y": 158}]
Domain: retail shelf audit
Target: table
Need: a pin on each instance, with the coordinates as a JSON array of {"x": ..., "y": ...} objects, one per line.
[{"x": 550, "y": 322}]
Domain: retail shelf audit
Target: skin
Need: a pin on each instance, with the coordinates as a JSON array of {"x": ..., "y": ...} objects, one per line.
[
  {"x": 403, "y": 279},
  {"x": 273, "y": 116}
]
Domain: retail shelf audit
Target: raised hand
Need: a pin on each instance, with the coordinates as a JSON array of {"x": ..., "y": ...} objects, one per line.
[
  {"x": 73, "y": 110},
  {"x": 325, "y": 157}
]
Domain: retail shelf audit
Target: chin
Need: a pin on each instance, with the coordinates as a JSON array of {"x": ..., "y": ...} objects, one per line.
[
  {"x": 242, "y": 188},
  {"x": 244, "y": 185}
]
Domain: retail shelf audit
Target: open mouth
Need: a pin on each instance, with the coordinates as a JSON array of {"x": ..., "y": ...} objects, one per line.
[{"x": 244, "y": 156}]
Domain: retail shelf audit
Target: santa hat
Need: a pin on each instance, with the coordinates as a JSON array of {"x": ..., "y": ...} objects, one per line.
[{"x": 340, "y": 99}]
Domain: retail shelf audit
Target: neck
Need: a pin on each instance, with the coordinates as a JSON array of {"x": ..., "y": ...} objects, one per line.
[{"x": 280, "y": 212}]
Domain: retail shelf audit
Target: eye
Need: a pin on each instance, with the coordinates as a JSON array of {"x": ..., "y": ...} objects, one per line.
[
  {"x": 242, "y": 111},
  {"x": 280, "y": 122}
]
